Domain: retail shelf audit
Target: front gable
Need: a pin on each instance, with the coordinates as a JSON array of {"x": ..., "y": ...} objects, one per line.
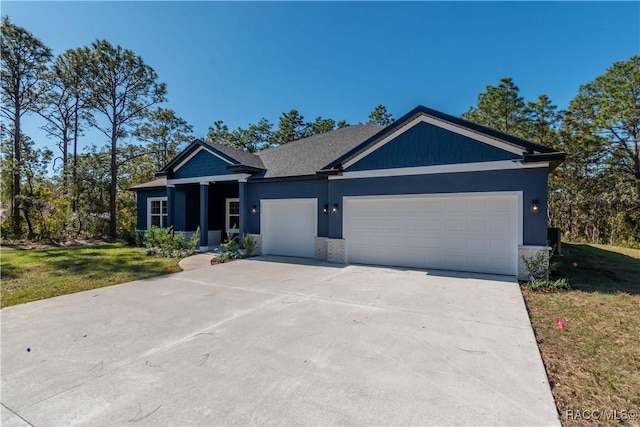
[
  {"x": 201, "y": 162},
  {"x": 423, "y": 142}
]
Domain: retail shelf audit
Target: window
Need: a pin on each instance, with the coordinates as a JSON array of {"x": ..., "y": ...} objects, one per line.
[
  {"x": 233, "y": 215},
  {"x": 157, "y": 212}
]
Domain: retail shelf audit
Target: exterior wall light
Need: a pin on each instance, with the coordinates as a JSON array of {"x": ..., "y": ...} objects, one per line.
[
  {"x": 535, "y": 206},
  {"x": 325, "y": 209},
  {"x": 334, "y": 209},
  {"x": 254, "y": 209}
]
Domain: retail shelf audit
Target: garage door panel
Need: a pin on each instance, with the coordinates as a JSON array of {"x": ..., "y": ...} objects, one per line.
[
  {"x": 475, "y": 262},
  {"x": 494, "y": 224},
  {"x": 289, "y": 227},
  {"x": 456, "y": 224},
  {"x": 452, "y": 206},
  {"x": 477, "y": 243},
  {"x": 467, "y": 233},
  {"x": 434, "y": 224}
]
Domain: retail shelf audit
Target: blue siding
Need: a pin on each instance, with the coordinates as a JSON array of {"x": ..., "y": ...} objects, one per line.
[
  {"x": 191, "y": 207},
  {"x": 532, "y": 182},
  {"x": 426, "y": 145},
  {"x": 141, "y": 201},
  {"x": 311, "y": 188},
  {"x": 202, "y": 164},
  {"x": 179, "y": 211}
]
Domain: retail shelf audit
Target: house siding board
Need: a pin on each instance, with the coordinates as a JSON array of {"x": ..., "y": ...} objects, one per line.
[
  {"x": 202, "y": 164},
  {"x": 191, "y": 207},
  {"x": 532, "y": 182},
  {"x": 187, "y": 206},
  {"x": 309, "y": 188},
  {"x": 426, "y": 145},
  {"x": 141, "y": 204},
  {"x": 179, "y": 213}
]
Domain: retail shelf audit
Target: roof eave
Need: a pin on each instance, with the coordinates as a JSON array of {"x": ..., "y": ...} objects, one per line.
[
  {"x": 554, "y": 159},
  {"x": 184, "y": 153},
  {"x": 329, "y": 172},
  {"x": 245, "y": 169}
]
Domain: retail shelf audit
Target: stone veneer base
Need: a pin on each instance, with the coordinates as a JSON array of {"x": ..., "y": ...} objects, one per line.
[{"x": 528, "y": 251}]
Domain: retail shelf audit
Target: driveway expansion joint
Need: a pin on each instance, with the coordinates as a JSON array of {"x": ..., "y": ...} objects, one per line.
[{"x": 15, "y": 413}]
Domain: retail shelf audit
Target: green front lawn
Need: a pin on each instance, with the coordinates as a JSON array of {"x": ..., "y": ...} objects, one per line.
[
  {"x": 29, "y": 275},
  {"x": 594, "y": 363}
]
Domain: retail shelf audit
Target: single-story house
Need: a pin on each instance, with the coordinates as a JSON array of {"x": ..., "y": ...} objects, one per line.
[{"x": 429, "y": 191}]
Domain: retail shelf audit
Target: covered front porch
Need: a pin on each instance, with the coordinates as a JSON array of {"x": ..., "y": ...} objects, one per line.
[
  {"x": 204, "y": 187},
  {"x": 215, "y": 207}
]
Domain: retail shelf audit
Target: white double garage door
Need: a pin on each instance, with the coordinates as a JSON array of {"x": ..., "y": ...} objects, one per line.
[{"x": 477, "y": 232}]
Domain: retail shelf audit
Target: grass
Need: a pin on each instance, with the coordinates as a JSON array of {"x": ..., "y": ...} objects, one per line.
[
  {"x": 30, "y": 275},
  {"x": 594, "y": 363}
]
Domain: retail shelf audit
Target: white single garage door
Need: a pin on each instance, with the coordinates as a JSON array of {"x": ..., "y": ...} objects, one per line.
[
  {"x": 289, "y": 227},
  {"x": 477, "y": 233}
]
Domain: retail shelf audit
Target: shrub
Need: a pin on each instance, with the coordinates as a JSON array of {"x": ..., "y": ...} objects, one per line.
[
  {"x": 547, "y": 284},
  {"x": 230, "y": 250},
  {"x": 231, "y": 242},
  {"x": 163, "y": 241},
  {"x": 226, "y": 257},
  {"x": 133, "y": 238},
  {"x": 248, "y": 243},
  {"x": 540, "y": 268}
]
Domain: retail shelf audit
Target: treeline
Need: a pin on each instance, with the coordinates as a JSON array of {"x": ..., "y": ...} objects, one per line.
[
  {"x": 594, "y": 195},
  {"x": 109, "y": 89},
  {"x": 291, "y": 126}
]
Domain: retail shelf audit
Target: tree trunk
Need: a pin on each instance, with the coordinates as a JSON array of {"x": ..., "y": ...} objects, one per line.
[
  {"x": 26, "y": 210},
  {"x": 74, "y": 172},
  {"x": 17, "y": 226},
  {"x": 31, "y": 233},
  {"x": 114, "y": 181},
  {"x": 65, "y": 158}
]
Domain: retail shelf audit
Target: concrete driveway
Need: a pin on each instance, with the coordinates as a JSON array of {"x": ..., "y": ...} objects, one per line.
[{"x": 276, "y": 341}]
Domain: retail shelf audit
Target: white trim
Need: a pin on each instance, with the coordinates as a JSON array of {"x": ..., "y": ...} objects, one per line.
[
  {"x": 452, "y": 168},
  {"x": 195, "y": 152},
  {"x": 156, "y": 199},
  {"x": 226, "y": 215},
  {"x": 208, "y": 179},
  {"x": 186, "y": 159},
  {"x": 503, "y": 145},
  {"x": 521, "y": 246}
]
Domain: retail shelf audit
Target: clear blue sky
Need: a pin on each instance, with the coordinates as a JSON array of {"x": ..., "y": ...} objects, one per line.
[{"x": 238, "y": 62}]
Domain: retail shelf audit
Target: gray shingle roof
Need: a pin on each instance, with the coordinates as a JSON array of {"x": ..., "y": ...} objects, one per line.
[
  {"x": 242, "y": 157},
  {"x": 156, "y": 183},
  {"x": 308, "y": 155}
]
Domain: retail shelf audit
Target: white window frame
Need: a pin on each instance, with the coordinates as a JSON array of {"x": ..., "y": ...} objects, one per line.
[
  {"x": 227, "y": 213},
  {"x": 149, "y": 215}
]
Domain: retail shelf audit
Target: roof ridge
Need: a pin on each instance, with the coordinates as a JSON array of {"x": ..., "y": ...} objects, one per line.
[
  {"x": 242, "y": 157},
  {"x": 226, "y": 147},
  {"x": 312, "y": 137}
]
